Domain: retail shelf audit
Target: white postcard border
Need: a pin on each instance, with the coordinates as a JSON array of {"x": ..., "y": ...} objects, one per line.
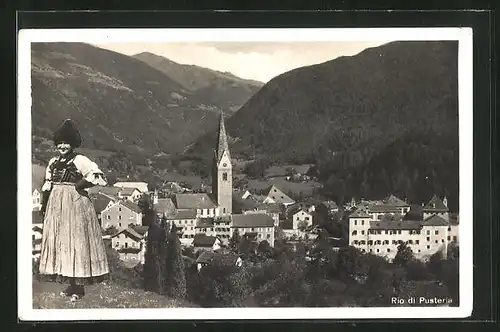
[{"x": 100, "y": 36}]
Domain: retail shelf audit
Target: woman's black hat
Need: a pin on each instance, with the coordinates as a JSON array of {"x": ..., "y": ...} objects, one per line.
[{"x": 67, "y": 133}]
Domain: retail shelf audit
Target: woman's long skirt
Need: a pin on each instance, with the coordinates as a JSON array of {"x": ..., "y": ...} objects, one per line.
[{"x": 72, "y": 244}]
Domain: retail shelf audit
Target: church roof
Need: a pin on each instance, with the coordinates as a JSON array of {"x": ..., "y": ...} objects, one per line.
[
  {"x": 194, "y": 201},
  {"x": 222, "y": 144}
]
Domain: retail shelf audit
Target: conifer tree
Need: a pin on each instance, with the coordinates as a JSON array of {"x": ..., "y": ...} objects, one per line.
[
  {"x": 175, "y": 272},
  {"x": 234, "y": 241}
]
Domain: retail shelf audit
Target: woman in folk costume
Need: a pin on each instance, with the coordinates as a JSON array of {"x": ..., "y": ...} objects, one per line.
[{"x": 72, "y": 244}]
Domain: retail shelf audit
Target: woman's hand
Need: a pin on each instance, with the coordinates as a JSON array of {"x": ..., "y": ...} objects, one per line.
[{"x": 81, "y": 185}]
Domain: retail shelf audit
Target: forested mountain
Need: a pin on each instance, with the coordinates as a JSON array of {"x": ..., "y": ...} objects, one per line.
[
  {"x": 385, "y": 120},
  {"x": 222, "y": 89}
]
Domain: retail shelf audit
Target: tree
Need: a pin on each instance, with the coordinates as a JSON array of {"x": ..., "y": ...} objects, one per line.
[
  {"x": 264, "y": 250},
  {"x": 302, "y": 225},
  {"x": 404, "y": 255},
  {"x": 111, "y": 230},
  {"x": 176, "y": 277},
  {"x": 234, "y": 241}
]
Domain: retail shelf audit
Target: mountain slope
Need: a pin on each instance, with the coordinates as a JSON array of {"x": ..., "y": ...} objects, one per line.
[
  {"x": 119, "y": 103},
  {"x": 345, "y": 113},
  {"x": 224, "y": 90}
]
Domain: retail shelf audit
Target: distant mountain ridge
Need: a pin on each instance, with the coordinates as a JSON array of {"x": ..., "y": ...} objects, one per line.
[
  {"x": 120, "y": 103},
  {"x": 345, "y": 113},
  {"x": 223, "y": 89}
]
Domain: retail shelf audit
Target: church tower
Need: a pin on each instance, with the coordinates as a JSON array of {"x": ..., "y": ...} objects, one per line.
[{"x": 222, "y": 176}]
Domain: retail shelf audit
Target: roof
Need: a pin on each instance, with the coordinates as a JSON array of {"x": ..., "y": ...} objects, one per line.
[
  {"x": 164, "y": 205},
  {"x": 131, "y": 205},
  {"x": 435, "y": 220},
  {"x": 395, "y": 224},
  {"x": 384, "y": 208},
  {"x": 359, "y": 214},
  {"x": 128, "y": 191},
  {"x": 395, "y": 201},
  {"x": 111, "y": 191},
  {"x": 100, "y": 202},
  {"x": 286, "y": 224},
  {"x": 141, "y": 186},
  {"x": 435, "y": 205},
  {"x": 203, "y": 240},
  {"x": 212, "y": 257},
  {"x": 194, "y": 201},
  {"x": 415, "y": 213},
  {"x": 37, "y": 217},
  {"x": 141, "y": 230},
  {"x": 278, "y": 195},
  {"x": 183, "y": 214},
  {"x": 222, "y": 145},
  {"x": 251, "y": 220},
  {"x": 131, "y": 232}
]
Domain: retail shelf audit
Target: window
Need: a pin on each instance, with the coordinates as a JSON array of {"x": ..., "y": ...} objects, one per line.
[
  {"x": 119, "y": 217},
  {"x": 436, "y": 232},
  {"x": 436, "y": 241},
  {"x": 362, "y": 232},
  {"x": 362, "y": 222},
  {"x": 371, "y": 250},
  {"x": 417, "y": 241},
  {"x": 370, "y": 242},
  {"x": 117, "y": 244},
  {"x": 442, "y": 240},
  {"x": 224, "y": 176},
  {"x": 399, "y": 232},
  {"x": 428, "y": 232},
  {"x": 119, "y": 224},
  {"x": 307, "y": 218},
  {"x": 354, "y": 232},
  {"x": 410, "y": 241},
  {"x": 120, "y": 209},
  {"x": 378, "y": 250},
  {"x": 268, "y": 236},
  {"x": 355, "y": 222},
  {"x": 126, "y": 244},
  {"x": 428, "y": 247},
  {"x": 108, "y": 217},
  {"x": 428, "y": 238},
  {"x": 449, "y": 238},
  {"x": 33, "y": 237},
  {"x": 455, "y": 239}
]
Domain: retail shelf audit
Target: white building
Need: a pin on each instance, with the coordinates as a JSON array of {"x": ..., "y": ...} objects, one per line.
[
  {"x": 381, "y": 233},
  {"x": 302, "y": 216},
  {"x": 141, "y": 186}
]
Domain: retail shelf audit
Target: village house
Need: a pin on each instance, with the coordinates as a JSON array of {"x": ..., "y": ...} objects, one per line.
[
  {"x": 302, "y": 217},
  {"x": 186, "y": 222},
  {"x": 101, "y": 202},
  {"x": 164, "y": 207},
  {"x": 259, "y": 225},
  {"x": 438, "y": 207},
  {"x": 201, "y": 203},
  {"x": 272, "y": 210},
  {"x": 130, "y": 245},
  {"x": 37, "y": 199},
  {"x": 221, "y": 259},
  {"x": 121, "y": 214},
  {"x": 36, "y": 232},
  {"x": 141, "y": 186},
  {"x": 383, "y": 230},
  {"x": 204, "y": 242},
  {"x": 331, "y": 206},
  {"x": 277, "y": 196},
  {"x": 132, "y": 194}
]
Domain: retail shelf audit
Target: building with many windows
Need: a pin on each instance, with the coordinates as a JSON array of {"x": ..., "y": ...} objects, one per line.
[{"x": 384, "y": 227}]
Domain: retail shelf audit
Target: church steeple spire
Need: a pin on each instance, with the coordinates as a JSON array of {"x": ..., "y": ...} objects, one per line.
[
  {"x": 222, "y": 178},
  {"x": 222, "y": 145}
]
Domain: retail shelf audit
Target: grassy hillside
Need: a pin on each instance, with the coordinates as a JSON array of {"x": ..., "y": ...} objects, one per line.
[{"x": 46, "y": 296}]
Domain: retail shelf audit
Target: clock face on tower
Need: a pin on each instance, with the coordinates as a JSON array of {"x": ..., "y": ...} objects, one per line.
[{"x": 224, "y": 165}]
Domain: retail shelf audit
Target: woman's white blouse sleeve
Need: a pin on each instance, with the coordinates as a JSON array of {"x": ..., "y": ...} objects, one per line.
[
  {"x": 89, "y": 170},
  {"x": 47, "y": 185}
]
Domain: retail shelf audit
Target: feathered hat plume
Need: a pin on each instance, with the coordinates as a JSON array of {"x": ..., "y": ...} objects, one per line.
[{"x": 67, "y": 133}]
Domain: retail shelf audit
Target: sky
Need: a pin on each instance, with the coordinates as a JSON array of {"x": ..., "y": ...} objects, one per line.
[{"x": 259, "y": 61}]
